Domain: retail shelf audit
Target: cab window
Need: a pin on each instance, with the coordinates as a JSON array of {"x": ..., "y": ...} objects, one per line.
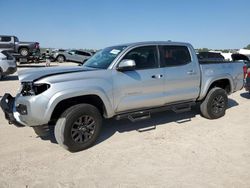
[
  {"x": 5, "y": 39},
  {"x": 144, "y": 57},
  {"x": 174, "y": 55},
  {"x": 82, "y": 53}
]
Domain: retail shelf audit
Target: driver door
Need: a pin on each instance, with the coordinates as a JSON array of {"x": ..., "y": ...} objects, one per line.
[{"x": 142, "y": 87}]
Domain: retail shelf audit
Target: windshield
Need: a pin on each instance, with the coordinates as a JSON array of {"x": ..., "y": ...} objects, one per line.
[{"x": 103, "y": 58}]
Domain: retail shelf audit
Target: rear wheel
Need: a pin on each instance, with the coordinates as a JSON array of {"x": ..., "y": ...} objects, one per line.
[
  {"x": 78, "y": 127},
  {"x": 1, "y": 74},
  {"x": 215, "y": 104},
  {"x": 24, "y": 52}
]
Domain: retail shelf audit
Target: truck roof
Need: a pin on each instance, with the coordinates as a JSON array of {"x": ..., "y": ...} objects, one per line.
[
  {"x": 156, "y": 43},
  {"x": 7, "y": 36}
]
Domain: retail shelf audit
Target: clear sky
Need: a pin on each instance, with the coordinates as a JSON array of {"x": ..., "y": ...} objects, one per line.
[{"x": 99, "y": 23}]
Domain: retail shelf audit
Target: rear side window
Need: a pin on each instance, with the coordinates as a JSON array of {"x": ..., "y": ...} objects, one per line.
[
  {"x": 82, "y": 53},
  {"x": 174, "y": 55},
  {"x": 5, "y": 39},
  {"x": 144, "y": 57}
]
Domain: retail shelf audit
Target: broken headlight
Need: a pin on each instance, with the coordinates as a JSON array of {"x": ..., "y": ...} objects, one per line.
[{"x": 29, "y": 88}]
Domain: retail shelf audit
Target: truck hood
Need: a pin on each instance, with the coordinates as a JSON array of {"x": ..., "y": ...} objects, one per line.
[{"x": 32, "y": 75}]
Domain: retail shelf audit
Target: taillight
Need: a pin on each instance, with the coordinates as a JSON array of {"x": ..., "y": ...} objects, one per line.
[{"x": 245, "y": 70}]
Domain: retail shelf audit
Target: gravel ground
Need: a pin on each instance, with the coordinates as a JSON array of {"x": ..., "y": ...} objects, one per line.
[{"x": 181, "y": 150}]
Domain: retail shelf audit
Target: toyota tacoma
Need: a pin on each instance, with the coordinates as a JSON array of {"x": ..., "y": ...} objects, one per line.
[{"x": 124, "y": 81}]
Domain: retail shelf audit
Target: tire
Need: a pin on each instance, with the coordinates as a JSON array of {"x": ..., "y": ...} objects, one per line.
[
  {"x": 42, "y": 131},
  {"x": 78, "y": 127},
  {"x": 1, "y": 74},
  {"x": 24, "y": 52},
  {"x": 60, "y": 58},
  {"x": 215, "y": 104}
]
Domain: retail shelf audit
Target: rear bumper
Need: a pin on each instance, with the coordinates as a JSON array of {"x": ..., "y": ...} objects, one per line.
[{"x": 8, "y": 106}]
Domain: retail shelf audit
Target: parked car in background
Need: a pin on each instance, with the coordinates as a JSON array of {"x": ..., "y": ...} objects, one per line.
[
  {"x": 125, "y": 81},
  {"x": 210, "y": 56},
  {"x": 79, "y": 56},
  {"x": 7, "y": 64},
  {"x": 13, "y": 44}
]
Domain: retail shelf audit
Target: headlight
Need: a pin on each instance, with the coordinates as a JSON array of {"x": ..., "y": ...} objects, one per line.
[{"x": 29, "y": 88}]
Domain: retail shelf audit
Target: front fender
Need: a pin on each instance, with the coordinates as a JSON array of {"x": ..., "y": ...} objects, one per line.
[{"x": 76, "y": 92}]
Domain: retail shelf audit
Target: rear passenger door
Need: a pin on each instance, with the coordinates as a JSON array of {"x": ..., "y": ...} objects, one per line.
[
  {"x": 181, "y": 74},
  {"x": 72, "y": 56},
  {"x": 142, "y": 87}
]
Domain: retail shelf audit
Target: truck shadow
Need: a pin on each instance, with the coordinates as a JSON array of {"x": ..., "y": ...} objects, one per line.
[
  {"x": 245, "y": 95},
  {"x": 112, "y": 126},
  {"x": 10, "y": 78},
  {"x": 232, "y": 103}
]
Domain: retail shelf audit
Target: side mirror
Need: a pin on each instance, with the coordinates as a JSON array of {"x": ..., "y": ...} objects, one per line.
[{"x": 126, "y": 65}]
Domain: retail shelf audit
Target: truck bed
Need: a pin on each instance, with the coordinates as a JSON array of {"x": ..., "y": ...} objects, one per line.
[{"x": 231, "y": 70}]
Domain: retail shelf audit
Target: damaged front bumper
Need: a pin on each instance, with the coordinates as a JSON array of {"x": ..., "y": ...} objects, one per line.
[{"x": 8, "y": 106}]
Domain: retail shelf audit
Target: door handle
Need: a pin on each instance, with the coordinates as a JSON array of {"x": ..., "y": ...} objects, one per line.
[
  {"x": 191, "y": 72},
  {"x": 157, "y": 76}
]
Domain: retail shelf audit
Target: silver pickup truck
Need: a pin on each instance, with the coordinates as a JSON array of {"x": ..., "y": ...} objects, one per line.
[{"x": 124, "y": 81}]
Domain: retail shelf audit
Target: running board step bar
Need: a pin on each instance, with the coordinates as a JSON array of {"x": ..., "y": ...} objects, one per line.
[
  {"x": 182, "y": 108},
  {"x": 146, "y": 114},
  {"x": 139, "y": 116}
]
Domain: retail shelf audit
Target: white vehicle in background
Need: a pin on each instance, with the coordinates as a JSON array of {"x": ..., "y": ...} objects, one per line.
[
  {"x": 78, "y": 56},
  {"x": 7, "y": 64},
  {"x": 245, "y": 52},
  {"x": 227, "y": 55}
]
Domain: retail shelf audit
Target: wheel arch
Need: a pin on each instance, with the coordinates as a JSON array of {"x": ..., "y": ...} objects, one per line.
[
  {"x": 66, "y": 103},
  {"x": 223, "y": 82},
  {"x": 21, "y": 47}
]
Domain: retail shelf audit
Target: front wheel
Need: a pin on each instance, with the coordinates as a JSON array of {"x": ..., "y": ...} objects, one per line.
[
  {"x": 215, "y": 104},
  {"x": 78, "y": 127}
]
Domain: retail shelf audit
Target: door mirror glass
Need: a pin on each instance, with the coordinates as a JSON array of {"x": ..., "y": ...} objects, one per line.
[{"x": 126, "y": 65}]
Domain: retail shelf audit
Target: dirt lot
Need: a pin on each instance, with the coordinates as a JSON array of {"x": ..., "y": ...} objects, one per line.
[{"x": 184, "y": 150}]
